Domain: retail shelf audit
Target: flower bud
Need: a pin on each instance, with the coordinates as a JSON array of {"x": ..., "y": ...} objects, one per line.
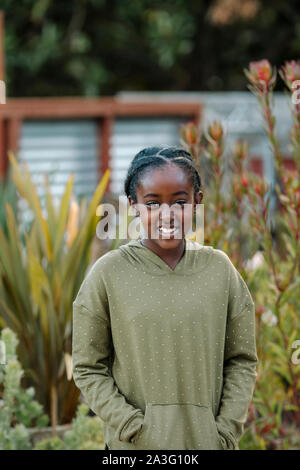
[{"x": 215, "y": 131}]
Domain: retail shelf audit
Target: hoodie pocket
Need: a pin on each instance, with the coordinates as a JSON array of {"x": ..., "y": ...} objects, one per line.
[{"x": 178, "y": 426}]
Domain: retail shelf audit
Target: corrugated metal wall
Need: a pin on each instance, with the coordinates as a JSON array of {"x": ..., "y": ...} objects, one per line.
[
  {"x": 59, "y": 148},
  {"x": 240, "y": 114},
  {"x": 132, "y": 135}
]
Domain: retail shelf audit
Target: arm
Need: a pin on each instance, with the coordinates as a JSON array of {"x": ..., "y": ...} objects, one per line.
[
  {"x": 92, "y": 351},
  {"x": 240, "y": 361}
]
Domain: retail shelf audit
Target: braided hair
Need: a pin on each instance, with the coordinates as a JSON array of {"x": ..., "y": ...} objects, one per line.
[{"x": 159, "y": 156}]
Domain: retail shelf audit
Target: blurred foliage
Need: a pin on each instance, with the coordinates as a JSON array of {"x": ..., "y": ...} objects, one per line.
[
  {"x": 18, "y": 408},
  {"x": 225, "y": 184},
  {"x": 20, "y": 413},
  {"x": 7, "y": 195},
  {"x": 99, "y": 47},
  {"x": 86, "y": 434},
  {"x": 266, "y": 252},
  {"x": 39, "y": 280}
]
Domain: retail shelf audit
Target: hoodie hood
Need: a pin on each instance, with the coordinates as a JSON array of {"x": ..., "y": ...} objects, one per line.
[{"x": 195, "y": 258}]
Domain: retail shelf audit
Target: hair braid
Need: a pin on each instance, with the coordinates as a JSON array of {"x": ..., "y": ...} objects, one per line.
[{"x": 155, "y": 157}]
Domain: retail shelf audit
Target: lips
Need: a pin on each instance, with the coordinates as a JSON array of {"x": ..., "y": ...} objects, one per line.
[{"x": 167, "y": 229}]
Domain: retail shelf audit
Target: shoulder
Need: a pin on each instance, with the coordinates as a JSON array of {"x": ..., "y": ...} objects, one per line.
[
  {"x": 221, "y": 256},
  {"x": 194, "y": 246},
  {"x": 214, "y": 254},
  {"x": 222, "y": 259},
  {"x": 105, "y": 264},
  {"x": 93, "y": 289}
]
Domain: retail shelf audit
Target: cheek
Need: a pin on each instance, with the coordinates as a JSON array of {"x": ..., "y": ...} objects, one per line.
[
  {"x": 149, "y": 218},
  {"x": 186, "y": 217},
  {"x": 183, "y": 214}
]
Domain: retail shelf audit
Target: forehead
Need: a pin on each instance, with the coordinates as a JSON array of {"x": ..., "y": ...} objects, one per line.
[{"x": 164, "y": 180}]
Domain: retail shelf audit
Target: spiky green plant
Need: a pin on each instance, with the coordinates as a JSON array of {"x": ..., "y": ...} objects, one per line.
[
  {"x": 39, "y": 281},
  {"x": 18, "y": 408}
]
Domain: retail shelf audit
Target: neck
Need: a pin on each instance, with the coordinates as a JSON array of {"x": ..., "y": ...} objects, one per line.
[{"x": 170, "y": 253}]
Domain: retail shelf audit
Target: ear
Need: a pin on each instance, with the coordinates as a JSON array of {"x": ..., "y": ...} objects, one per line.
[
  {"x": 133, "y": 206},
  {"x": 199, "y": 197}
]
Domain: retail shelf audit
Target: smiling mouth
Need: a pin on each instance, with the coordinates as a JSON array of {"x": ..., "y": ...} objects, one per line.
[{"x": 171, "y": 230}]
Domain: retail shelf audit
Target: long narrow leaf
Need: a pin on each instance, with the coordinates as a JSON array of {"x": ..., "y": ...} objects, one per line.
[
  {"x": 28, "y": 190},
  {"x": 63, "y": 215}
]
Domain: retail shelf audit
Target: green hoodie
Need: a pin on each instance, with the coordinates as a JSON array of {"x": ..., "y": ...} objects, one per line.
[{"x": 166, "y": 358}]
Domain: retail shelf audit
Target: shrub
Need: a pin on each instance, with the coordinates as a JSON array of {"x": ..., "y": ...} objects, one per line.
[
  {"x": 38, "y": 283},
  {"x": 86, "y": 434},
  {"x": 265, "y": 251},
  {"x": 18, "y": 408}
]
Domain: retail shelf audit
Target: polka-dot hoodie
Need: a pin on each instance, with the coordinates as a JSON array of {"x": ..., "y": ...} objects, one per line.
[{"x": 166, "y": 358}]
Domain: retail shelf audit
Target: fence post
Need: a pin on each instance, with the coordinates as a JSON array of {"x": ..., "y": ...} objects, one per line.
[
  {"x": 3, "y": 156},
  {"x": 106, "y": 129}
]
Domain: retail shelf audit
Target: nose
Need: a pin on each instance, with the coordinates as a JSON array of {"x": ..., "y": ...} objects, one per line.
[{"x": 166, "y": 214}]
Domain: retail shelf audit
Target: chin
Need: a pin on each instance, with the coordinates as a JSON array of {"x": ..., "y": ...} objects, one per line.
[{"x": 168, "y": 242}]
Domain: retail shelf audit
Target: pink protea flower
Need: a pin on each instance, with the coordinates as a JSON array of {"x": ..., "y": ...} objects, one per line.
[
  {"x": 260, "y": 73},
  {"x": 260, "y": 188},
  {"x": 290, "y": 71},
  {"x": 244, "y": 180},
  {"x": 241, "y": 149},
  {"x": 189, "y": 133},
  {"x": 215, "y": 131}
]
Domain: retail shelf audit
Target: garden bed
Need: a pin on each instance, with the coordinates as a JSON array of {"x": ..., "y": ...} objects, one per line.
[{"x": 37, "y": 434}]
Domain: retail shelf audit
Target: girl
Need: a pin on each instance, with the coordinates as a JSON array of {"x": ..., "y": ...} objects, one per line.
[{"x": 164, "y": 344}]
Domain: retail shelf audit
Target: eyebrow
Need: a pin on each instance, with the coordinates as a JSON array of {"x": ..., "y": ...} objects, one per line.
[{"x": 174, "y": 194}]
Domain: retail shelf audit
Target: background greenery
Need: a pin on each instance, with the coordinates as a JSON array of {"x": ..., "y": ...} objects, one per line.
[{"x": 99, "y": 47}]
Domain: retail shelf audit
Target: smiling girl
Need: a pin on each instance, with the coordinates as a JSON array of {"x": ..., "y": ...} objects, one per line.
[{"x": 164, "y": 347}]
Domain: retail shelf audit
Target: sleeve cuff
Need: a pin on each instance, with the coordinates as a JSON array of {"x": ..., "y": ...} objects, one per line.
[
  {"x": 228, "y": 440},
  {"x": 131, "y": 427}
]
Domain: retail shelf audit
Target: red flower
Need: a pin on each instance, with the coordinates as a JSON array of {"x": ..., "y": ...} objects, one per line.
[
  {"x": 241, "y": 149},
  {"x": 267, "y": 428},
  {"x": 190, "y": 133},
  {"x": 262, "y": 70},
  {"x": 291, "y": 71},
  {"x": 245, "y": 181},
  {"x": 261, "y": 73},
  {"x": 257, "y": 189},
  {"x": 260, "y": 310},
  {"x": 215, "y": 130}
]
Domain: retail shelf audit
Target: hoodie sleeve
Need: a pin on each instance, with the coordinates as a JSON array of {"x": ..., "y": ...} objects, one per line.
[
  {"x": 92, "y": 353},
  {"x": 240, "y": 361}
]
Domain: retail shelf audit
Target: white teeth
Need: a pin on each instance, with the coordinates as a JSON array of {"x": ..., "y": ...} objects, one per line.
[{"x": 167, "y": 230}]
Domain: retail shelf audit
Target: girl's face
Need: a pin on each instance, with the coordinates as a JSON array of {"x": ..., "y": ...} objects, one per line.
[{"x": 165, "y": 201}]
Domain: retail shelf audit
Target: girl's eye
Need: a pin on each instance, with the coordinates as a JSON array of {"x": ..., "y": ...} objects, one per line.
[
  {"x": 154, "y": 204},
  {"x": 179, "y": 203}
]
